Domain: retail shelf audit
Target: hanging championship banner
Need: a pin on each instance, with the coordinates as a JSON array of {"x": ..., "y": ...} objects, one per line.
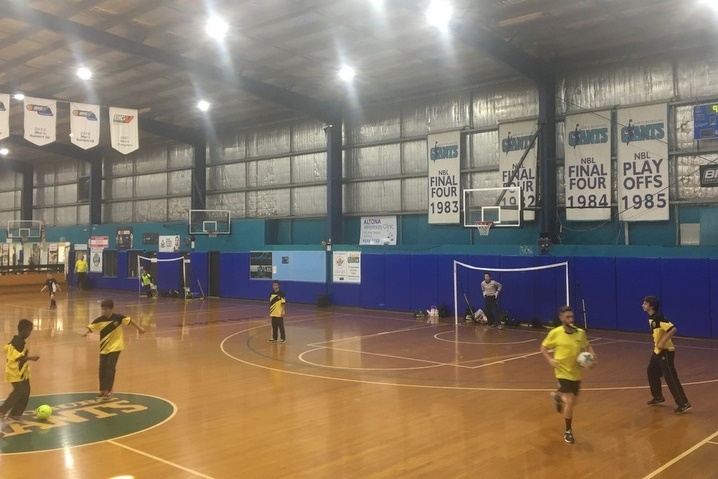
[
  {"x": 84, "y": 125},
  {"x": 643, "y": 163},
  {"x": 124, "y": 131},
  {"x": 515, "y": 139},
  {"x": 378, "y": 230},
  {"x": 347, "y": 267},
  {"x": 587, "y": 148},
  {"x": 95, "y": 260},
  {"x": 40, "y": 120},
  {"x": 4, "y": 115},
  {"x": 444, "y": 177}
]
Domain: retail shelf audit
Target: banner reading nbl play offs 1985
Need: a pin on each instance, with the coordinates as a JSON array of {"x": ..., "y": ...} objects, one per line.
[
  {"x": 587, "y": 148},
  {"x": 124, "y": 130},
  {"x": 643, "y": 163},
  {"x": 4, "y": 115},
  {"x": 515, "y": 139},
  {"x": 40, "y": 120},
  {"x": 444, "y": 177},
  {"x": 84, "y": 125}
]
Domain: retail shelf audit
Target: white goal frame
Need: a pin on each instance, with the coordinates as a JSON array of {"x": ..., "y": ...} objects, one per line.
[
  {"x": 563, "y": 264},
  {"x": 160, "y": 260}
]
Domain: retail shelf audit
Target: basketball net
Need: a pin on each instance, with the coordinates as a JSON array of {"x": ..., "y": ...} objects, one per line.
[
  {"x": 211, "y": 233},
  {"x": 484, "y": 227}
]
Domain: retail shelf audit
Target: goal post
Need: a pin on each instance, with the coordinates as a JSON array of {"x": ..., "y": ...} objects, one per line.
[
  {"x": 528, "y": 293},
  {"x": 148, "y": 263}
]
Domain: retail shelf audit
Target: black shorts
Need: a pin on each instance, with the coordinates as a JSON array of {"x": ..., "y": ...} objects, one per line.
[{"x": 568, "y": 386}]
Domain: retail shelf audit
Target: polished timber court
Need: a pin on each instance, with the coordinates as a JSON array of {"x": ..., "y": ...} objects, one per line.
[{"x": 352, "y": 394}]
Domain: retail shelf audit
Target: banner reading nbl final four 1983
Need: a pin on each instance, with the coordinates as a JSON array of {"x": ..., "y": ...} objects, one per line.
[
  {"x": 515, "y": 139},
  {"x": 40, "y": 120},
  {"x": 588, "y": 166},
  {"x": 124, "y": 130},
  {"x": 4, "y": 115},
  {"x": 444, "y": 177},
  {"x": 85, "y": 125},
  {"x": 643, "y": 163}
]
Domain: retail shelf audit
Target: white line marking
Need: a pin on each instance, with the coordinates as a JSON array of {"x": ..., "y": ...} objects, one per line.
[
  {"x": 432, "y": 364},
  {"x": 680, "y": 456},
  {"x": 159, "y": 459},
  {"x": 372, "y": 335},
  {"x": 713, "y": 442}
]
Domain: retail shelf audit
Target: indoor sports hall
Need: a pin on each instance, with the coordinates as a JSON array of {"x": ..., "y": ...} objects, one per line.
[{"x": 340, "y": 237}]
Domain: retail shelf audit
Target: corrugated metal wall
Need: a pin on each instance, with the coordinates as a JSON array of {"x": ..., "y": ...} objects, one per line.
[{"x": 10, "y": 192}]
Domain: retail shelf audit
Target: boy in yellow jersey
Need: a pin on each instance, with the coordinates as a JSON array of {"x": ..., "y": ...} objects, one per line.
[
  {"x": 566, "y": 341},
  {"x": 109, "y": 325},
  {"x": 276, "y": 311},
  {"x": 664, "y": 353},
  {"x": 17, "y": 371}
]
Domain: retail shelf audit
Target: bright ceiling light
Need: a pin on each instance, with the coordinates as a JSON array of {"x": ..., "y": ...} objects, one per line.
[
  {"x": 217, "y": 28},
  {"x": 347, "y": 73},
  {"x": 84, "y": 73},
  {"x": 439, "y": 13},
  {"x": 18, "y": 96},
  {"x": 377, "y": 3},
  {"x": 4, "y": 151},
  {"x": 203, "y": 105}
]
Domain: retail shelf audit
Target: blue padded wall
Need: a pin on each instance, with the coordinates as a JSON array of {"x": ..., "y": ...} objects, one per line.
[
  {"x": 346, "y": 294},
  {"x": 233, "y": 271},
  {"x": 397, "y": 274},
  {"x": 685, "y": 295},
  {"x": 713, "y": 296},
  {"x": 169, "y": 273},
  {"x": 595, "y": 282},
  {"x": 372, "y": 281},
  {"x": 635, "y": 279},
  {"x": 424, "y": 282},
  {"x": 199, "y": 272}
]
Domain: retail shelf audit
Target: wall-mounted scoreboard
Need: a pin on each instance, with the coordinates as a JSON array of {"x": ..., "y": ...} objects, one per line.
[{"x": 705, "y": 125}]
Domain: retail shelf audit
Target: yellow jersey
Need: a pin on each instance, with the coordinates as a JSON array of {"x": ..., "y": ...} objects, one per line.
[
  {"x": 110, "y": 329},
  {"x": 660, "y": 327},
  {"x": 17, "y": 367},
  {"x": 567, "y": 347},
  {"x": 81, "y": 266},
  {"x": 276, "y": 304}
]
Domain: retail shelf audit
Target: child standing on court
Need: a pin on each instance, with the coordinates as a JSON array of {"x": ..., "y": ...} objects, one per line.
[
  {"x": 662, "y": 359},
  {"x": 277, "y": 300},
  {"x": 17, "y": 371},
  {"x": 109, "y": 325},
  {"x": 566, "y": 341},
  {"x": 52, "y": 288}
]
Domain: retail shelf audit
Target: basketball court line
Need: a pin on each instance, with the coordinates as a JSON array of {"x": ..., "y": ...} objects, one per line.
[
  {"x": 159, "y": 459},
  {"x": 684, "y": 454},
  {"x": 372, "y": 335}
]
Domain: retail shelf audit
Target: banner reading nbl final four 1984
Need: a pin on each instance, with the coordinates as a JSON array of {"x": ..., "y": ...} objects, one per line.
[
  {"x": 40, "y": 120},
  {"x": 643, "y": 163},
  {"x": 515, "y": 139},
  {"x": 444, "y": 177},
  {"x": 124, "y": 130},
  {"x": 85, "y": 125},
  {"x": 588, "y": 166},
  {"x": 4, "y": 115}
]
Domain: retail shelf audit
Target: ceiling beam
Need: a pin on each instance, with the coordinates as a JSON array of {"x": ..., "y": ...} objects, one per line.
[{"x": 308, "y": 106}]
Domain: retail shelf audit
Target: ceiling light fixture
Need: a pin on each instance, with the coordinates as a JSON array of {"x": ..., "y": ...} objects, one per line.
[
  {"x": 18, "y": 96},
  {"x": 377, "y": 3},
  {"x": 203, "y": 105},
  {"x": 84, "y": 73},
  {"x": 347, "y": 73},
  {"x": 439, "y": 13},
  {"x": 217, "y": 28},
  {"x": 4, "y": 151}
]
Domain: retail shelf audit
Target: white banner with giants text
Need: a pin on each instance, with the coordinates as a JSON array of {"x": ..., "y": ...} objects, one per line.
[
  {"x": 124, "y": 130},
  {"x": 587, "y": 148},
  {"x": 515, "y": 139},
  {"x": 444, "y": 177},
  {"x": 643, "y": 163},
  {"x": 84, "y": 125},
  {"x": 378, "y": 230},
  {"x": 4, "y": 115},
  {"x": 40, "y": 120}
]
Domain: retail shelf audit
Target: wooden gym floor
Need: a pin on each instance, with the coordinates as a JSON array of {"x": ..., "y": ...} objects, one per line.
[{"x": 355, "y": 394}]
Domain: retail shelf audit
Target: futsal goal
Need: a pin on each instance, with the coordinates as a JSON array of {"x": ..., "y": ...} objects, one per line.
[
  {"x": 180, "y": 269},
  {"x": 527, "y": 294}
]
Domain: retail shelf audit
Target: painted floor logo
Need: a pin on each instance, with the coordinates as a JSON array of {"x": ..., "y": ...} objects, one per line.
[{"x": 80, "y": 418}]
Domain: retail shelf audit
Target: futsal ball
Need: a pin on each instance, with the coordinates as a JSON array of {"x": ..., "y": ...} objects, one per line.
[
  {"x": 43, "y": 412},
  {"x": 585, "y": 359}
]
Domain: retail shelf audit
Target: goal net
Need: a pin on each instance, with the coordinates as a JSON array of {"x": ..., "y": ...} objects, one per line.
[
  {"x": 174, "y": 274},
  {"x": 527, "y": 294}
]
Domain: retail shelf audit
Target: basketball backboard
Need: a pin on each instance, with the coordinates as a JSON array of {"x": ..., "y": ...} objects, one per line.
[
  {"x": 205, "y": 222},
  {"x": 501, "y": 206}
]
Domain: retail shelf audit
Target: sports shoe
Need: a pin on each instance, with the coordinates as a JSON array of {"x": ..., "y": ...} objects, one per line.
[
  {"x": 270, "y": 340},
  {"x": 282, "y": 340},
  {"x": 684, "y": 408},
  {"x": 655, "y": 401},
  {"x": 501, "y": 326},
  {"x": 559, "y": 402},
  {"x": 107, "y": 396},
  {"x": 568, "y": 437}
]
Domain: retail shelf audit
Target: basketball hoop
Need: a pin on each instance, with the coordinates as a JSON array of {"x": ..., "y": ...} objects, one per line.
[
  {"x": 484, "y": 227},
  {"x": 212, "y": 233}
]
